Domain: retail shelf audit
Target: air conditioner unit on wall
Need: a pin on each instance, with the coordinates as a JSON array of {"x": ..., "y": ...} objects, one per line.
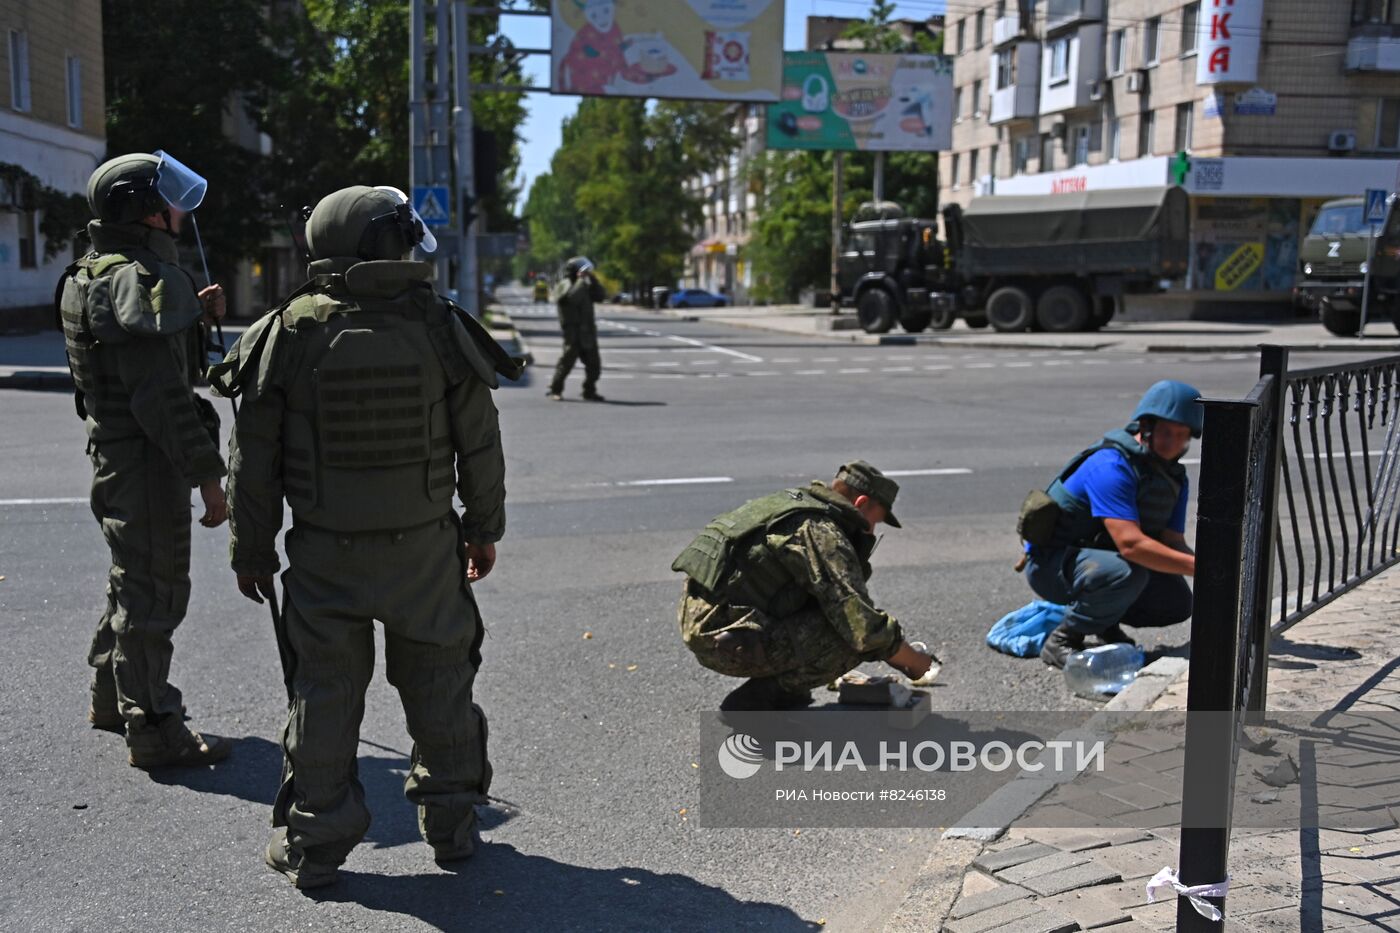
[
  {"x": 1098, "y": 90},
  {"x": 1137, "y": 82},
  {"x": 1341, "y": 141}
]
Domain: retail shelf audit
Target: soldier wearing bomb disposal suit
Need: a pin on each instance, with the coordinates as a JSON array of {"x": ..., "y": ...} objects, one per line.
[
  {"x": 132, "y": 322},
  {"x": 367, "y": 404}
]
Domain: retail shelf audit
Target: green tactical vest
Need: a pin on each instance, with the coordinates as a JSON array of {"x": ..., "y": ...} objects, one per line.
[
  {"x": 367, "y": 443},
  {"x": 1159, "y": 489},
  {"x": 122, "y": 289},
  {"x": 730, "y": 559}
]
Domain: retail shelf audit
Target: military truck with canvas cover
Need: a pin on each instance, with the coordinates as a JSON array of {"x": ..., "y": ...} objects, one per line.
[
  {"x": 1333, "y": 262},
  {"x": 1058, "y": 263}
]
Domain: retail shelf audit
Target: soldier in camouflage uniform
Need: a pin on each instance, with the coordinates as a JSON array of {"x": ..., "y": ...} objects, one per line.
[
  {"x": 132, "y": 323},
  {"x": 367, "y": 402},
  {"x": 575, "y": 296},
  {"x": 775, "y": 591}
]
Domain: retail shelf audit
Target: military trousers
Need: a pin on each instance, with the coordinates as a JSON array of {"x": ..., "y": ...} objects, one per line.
[
  {"x": 414, "y": 582},
  {"x": 1101, "y": 590},
  {"x": 802, "y": 651},
  {"x": 143, "y": 506},
  {"x": 579, "y": 343}
]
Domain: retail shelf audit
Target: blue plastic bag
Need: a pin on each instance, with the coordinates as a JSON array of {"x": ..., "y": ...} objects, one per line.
[{"x": 1022, "y": 633}]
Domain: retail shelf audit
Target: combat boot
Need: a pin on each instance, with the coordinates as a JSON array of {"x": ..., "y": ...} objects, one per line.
[
  {"x": 593, "y": 397},
  {"x": 103, "y": 713},
  {"x": 1114, "y": 635},
  {"x": 303, "y": 874},
  {"x": 172, "y": 745},
  {"x": 1059, "y": 645},
  {"x": 763, "y": 693}
]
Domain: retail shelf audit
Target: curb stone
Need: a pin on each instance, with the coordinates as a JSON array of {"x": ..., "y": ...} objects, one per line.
[{"x": 930, "y": 898}]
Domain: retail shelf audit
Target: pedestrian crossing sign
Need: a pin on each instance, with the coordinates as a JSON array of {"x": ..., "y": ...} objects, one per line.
[
  {"x": 431, "y": 202},
  {"x": 1375, "y": 205}
]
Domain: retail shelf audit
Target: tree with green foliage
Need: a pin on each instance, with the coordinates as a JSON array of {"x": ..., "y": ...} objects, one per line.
[{"x": 616, "y": 187}]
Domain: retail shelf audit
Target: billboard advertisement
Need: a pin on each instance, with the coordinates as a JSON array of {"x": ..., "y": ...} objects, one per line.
[
  {"x": 1228, "y": 36},
  {"x": 686, "y": 49},
  {"x": 868, "y": 103}
]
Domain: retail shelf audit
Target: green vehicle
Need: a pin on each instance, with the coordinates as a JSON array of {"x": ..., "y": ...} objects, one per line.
[
  {"x": 1334, "y": 259},
  {"x": 1057, "y": 263}
]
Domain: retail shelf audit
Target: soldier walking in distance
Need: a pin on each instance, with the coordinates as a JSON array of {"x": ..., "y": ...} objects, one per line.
[{"x": 575, "y": 296}]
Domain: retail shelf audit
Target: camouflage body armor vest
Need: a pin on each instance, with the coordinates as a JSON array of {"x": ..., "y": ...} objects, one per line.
[
  {"x": 1159, "y": 489},
  {"x": 731, "y": 561}
]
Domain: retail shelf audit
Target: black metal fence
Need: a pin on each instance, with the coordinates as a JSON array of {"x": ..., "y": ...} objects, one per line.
[{"x": 1300, "y": 482}]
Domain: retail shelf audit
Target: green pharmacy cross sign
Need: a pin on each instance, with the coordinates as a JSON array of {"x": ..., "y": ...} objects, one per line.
[{"x": 1180, "y": 168}]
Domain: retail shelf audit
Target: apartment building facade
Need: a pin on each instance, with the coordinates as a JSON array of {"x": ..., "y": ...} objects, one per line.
[
  {"x": 52, "y": 134},
  {"x": 1260, "y": 109},
  {"x": 729, "y": 209}
]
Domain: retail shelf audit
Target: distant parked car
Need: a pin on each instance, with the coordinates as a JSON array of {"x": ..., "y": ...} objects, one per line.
[
  {"x": 697, "y": 298},
  {"x": 622, "y": 298}
]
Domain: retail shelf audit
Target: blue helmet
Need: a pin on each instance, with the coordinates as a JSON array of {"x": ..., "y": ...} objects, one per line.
[{"x": 1173, "y": 401}]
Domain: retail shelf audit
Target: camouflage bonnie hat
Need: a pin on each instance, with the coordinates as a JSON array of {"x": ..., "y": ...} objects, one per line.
[{"x": 864, "y": 478}]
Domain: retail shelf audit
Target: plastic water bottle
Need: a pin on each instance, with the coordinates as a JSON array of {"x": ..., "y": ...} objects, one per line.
[{"x": 1103, "y": 671}]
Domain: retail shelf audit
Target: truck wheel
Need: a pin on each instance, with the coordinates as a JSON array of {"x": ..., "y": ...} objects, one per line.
[
  {"x": 1105, "y": 307},
  {"x": 875, "y": 310},
  {"x": 1342, "y": 323},
  {"x": 1062, "y": 309},
  {"x": 1009, "y": 309},
  {"x": 944, "y": 316},
  {"x": 976, "y": 319},
  {"x": 916, "y": 321}
]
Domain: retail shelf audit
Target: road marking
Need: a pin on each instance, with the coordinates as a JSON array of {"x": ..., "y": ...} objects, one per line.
[
  {"x": 935, "y": 368},
  {"x": 785, "y": 359},
  {"x": 938, "y": 471},
  {"x": 852, "y": 372},
  {"x": 897, "y": 369},
  {"x": 764, "y": 372},
  {"x": 1017, "y": 365},
  {"x": 827, "y": 359},
  {"x": 682, "y": 481},
  {"x": 980, "y": 366},
  {"x": 44, "y": 501},
  {"x": 714, "y": 348},
  {"x": 664, "y": 364},
  {"x": 809, "y": 372}
]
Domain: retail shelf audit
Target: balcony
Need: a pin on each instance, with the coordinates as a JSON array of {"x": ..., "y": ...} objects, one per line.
[
  {"x": 1072, "y": 86},
  {"x": 1014, "y": 103},
  {"x": 1007, "y": 29},
  {"x": 1062, "y": 14},
  {"x": 1373, "y": 52}
]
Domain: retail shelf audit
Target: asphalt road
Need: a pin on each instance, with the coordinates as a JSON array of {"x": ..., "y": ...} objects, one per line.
[{"x": 592, "y": 699}]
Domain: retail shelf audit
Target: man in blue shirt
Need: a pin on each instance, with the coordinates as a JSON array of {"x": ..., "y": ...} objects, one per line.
[{"x": 1118, "y": 554}]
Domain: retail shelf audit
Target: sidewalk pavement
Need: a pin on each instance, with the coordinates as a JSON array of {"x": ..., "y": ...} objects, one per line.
[
  {"x": 1128, "y": 336},
  {"x": 1053, "y": 880}
]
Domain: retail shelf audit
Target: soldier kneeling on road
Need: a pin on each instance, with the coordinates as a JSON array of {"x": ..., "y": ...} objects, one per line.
[
  {"x": 775, "y": 591},
  {"x": 1107, "y": 538}
]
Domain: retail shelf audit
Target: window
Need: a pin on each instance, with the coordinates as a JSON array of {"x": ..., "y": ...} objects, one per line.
[
  {"x": 979, "y": 28},
  {"x": 1047, "y": 153},
  {"x": 1388, "y": 123},
  {"x": 1151, "y": 41},
  {"x": 1003, "y": 69},
  {"x": 28, "y": 240},
  {"x": 1059, "y": 60},
  {"x": 1021, "y": 156},
  {"x": 1001, "y": 8},
  {"x": 75, "y": 91},
  {"x": 977, "y": 98},
  {"x": 1369, "y": 12},
  {"x": 957, "y": 162},
  {"x": 1118, "y": 52},
  {"x": 993, "y": 154},
  {"x": 1081, "y": 145},
  {"x": 1147, "y": 125},
  {"x": 972, "y": 167},
  {"x": 962, "y": 36},
  {"x": 1185, "y": 116},
  {"x": 1190, "y": 20},
  {"x": 957, "y": 104},
  {"x": 19, "y": 70},
  {"x": 1115, "y": 139}
]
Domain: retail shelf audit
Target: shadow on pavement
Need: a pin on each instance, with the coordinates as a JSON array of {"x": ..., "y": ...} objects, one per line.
[
  {"x": 502, "y": 888},
  {"x": 252, "y": 772}
]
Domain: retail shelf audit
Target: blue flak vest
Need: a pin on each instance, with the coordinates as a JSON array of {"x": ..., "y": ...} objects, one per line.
[{"x": 1159, "y": 486}]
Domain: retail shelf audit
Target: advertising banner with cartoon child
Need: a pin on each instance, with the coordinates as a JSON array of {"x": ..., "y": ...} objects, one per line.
[
  {"x": 869, "y": 103},
  {"x": 686, "y": 49},
  {"x": 1245, "y": 244}
]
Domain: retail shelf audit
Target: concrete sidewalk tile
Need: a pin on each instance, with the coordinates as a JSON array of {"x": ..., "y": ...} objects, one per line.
[
  {"x": 1361, "y": 900},
  {"x": 1080, "y": 876},
  {"x": 1142, "y": 796},
  {"x": 988, "y": 900},
  {"x": 976, "y": 882},
  {"x": 1364, "y": 870},
  {"x": 1057, "y": 817},
  {"x": 1039, "y": 868},
  {"x": 992, "y": 919},
  {"x": 1044, "y": 922},
  {"x": 1256, "y": 899},
  {"x": 1138, "y": 859},
  {"x": 1072, "y": 839},
  {"x": 1160, "y": 762},
  {"x": 1150, "y": 740},
  {"x": 1160, "y": 915},
  {"x": 1282, "y": 920},
  {"x": 1087, "y": 907},
  {"x": 1007, "y": 858}
]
